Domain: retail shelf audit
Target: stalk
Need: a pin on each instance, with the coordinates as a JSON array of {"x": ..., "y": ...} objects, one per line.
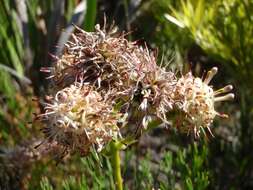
[{"x": 115, "y": 162}]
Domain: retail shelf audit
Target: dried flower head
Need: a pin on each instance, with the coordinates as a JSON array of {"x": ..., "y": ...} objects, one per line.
[
  {"x": 80, "y": 119},
  {"x": 196, "y": 100}
]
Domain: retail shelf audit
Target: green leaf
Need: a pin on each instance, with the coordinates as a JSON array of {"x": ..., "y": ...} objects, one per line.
[{"x": 90, "y": 17}]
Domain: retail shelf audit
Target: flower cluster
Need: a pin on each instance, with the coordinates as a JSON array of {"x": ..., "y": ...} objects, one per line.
[{"x": 103, "y": 81}]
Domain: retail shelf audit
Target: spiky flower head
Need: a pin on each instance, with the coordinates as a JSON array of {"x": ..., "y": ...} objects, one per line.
[
  {"x": 92, "y": 57},
  {"x": 80, "y": 119},
  {"x": 195, "y": 99}
]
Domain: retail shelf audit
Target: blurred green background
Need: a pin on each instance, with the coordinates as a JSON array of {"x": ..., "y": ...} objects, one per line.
[{"x": 190, "y": 34}]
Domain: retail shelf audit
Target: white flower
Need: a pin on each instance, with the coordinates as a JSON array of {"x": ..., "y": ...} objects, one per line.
[
  {"x": 196, "y": 99},
  {"x": 80, "y": 119}
]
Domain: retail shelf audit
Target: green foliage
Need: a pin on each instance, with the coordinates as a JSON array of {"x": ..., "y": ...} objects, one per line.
[
  {"x": 143, "y": 176},
  {"x": 222, "y": 28},
  {"x": 13, "y": 44},
  {"x": 194, "y": 174},
  {"x": 185, "y": 169},
  {"x": 45, "y": 185},
  {"x": 93, "y": 175}
]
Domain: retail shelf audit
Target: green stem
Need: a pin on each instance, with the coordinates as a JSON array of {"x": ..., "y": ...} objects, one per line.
[{"x": 115, "y": 161}]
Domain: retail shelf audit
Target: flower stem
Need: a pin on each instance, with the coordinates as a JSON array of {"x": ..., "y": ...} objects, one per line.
[{"x": 115, "y": 161}]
